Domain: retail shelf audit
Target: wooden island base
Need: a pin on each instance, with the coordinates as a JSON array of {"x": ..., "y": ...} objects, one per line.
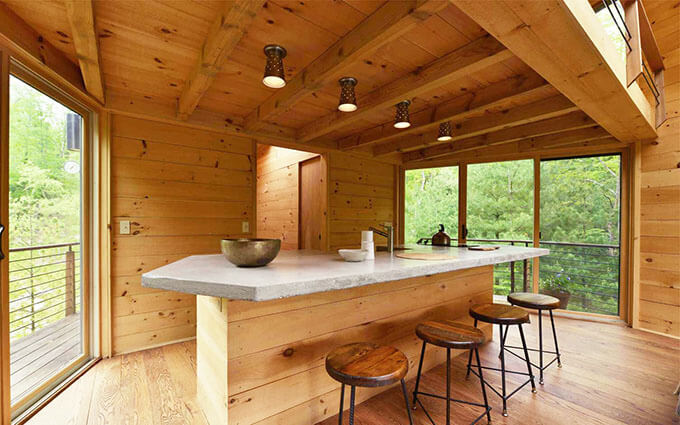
[{"x": 263, "y": 362}]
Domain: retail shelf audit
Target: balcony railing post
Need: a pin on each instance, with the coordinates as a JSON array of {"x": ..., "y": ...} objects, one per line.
[
  {"x": 30, "y": 271},
  {"x": 512, "y": 273},
  {"x": 69, "y": 292}
]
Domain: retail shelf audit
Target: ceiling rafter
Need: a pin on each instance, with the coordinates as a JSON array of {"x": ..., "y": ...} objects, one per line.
[
  {"x": 389, "y": 22},
  {"x": 80, "y": 15},
  {"x": 35, "y": 48},
  {"x": 495, "y": 95},
  {"x": 224, "y": 35},
  {"x": 487, "y": 123},
  {"x": 567, "y": 45},
  {"x": 571, "y": 121},
  {"x": 523, "y": 148},
  {"x": 472, "y": 57}
]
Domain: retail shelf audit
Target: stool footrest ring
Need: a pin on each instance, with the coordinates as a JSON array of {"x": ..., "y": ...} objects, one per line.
[
  {"x": 496, "y": 391},
  {"x": 486, "y": 409},
  {"x": 508, "y": 347}
]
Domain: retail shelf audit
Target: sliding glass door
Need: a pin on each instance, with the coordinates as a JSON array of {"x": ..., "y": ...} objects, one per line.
[{"x": 47, "y": 256}]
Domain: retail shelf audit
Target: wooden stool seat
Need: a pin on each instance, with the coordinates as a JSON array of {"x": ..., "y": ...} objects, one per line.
[
  {"x": 450, "y": 334},
  {"x": 534, "y": 301},
  {"x": 500, "y": 314},
  {"x": 364, "y": 364}
]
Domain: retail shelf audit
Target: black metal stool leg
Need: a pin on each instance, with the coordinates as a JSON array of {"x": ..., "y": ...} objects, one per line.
[
  {"x": 504, "y": 336},
  {"x": 540, "y": 346},
  {"x": 467, "y": 374},
  {"x": 420, "y": 369},
  {"x": 526, "y": 356},
  {"x": 481, "y": 380},
  {"x": 342, "y": 403},
  {"x": 448, "y": 386},
  {"x": 408, "y": 408},
  {"x": 557, "y": 349},
  {"x": 505, "y": 401},
  {"x": 351, "y": 405}
]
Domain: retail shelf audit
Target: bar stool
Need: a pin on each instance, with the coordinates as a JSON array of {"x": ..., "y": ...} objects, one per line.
[
  {"x": 503, "y": 315},
  {"x": 450, "y": 335},
  {"x": 538, "y": 302},
  {"x": 364, "y": 364}
]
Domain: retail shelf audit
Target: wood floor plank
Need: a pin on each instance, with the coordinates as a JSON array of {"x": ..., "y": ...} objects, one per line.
[{"x": 612, "y": 375}]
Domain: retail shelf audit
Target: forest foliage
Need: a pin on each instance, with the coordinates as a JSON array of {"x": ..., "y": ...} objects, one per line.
[{"x": 580, "y": 203}]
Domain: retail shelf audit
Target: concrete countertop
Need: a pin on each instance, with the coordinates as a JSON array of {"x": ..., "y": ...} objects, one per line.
[{"x": 295, "y": 273}]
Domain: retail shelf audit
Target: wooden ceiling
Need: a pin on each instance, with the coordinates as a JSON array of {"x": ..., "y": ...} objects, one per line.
[{"x": 188, "y": 60}]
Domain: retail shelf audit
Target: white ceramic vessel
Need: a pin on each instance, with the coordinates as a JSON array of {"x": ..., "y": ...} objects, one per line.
[{"x": 353, "y": 255}]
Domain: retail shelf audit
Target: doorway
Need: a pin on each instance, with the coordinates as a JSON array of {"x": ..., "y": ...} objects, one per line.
[{"x": 312, "y": 221}]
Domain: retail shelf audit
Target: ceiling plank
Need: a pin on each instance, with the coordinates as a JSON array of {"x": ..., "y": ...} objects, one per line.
[
  {"x": 34, "y": 47},
  {"x": 80, "y": 15},
  {"x": 389, "y": 22},
  {"x": 497, "y": 95},
  {"x": 224, "y": 35},
  {"x": 472, "y": 57},
  {"x": 487, "y": 123},
  {"x": 566, "y": 44},
  {"x": 571, "y": 121}
]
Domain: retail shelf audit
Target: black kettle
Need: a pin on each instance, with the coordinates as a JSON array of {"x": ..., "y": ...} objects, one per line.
[{"x": 441, "y": 237}]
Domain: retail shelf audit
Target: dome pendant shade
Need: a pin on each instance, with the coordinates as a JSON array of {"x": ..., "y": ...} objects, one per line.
[
  {"x": 273, "y": 70},
  {"x": 348, "y": 99},
  {"x": 444, "y": 132},
  {"x": 401, "y": 119}
]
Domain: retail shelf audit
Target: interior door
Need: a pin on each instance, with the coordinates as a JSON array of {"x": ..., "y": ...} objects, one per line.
[{"x": 311, "y": 204}]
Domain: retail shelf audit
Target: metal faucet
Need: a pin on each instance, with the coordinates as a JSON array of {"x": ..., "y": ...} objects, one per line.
[{"x": 387, "y": 233}]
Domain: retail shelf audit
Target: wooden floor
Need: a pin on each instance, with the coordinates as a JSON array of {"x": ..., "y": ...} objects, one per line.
[
  {"x": 38, "y": 356},
  {"x": 611, "y": 375}
]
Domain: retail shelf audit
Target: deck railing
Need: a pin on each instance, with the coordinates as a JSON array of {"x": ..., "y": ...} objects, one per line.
[
  {"x": 588, "y": 272},
  {"x": 44, "y": 286}
]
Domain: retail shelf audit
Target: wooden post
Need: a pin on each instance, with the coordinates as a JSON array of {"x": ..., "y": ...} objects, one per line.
[
  {"x": 70, "y": 283},
  {"x": 634, "y": 56}
]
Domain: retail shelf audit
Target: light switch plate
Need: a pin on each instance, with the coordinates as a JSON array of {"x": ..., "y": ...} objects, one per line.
[
  {"x": 125, "y": 227},
  {"x": 245, "y": 226}
]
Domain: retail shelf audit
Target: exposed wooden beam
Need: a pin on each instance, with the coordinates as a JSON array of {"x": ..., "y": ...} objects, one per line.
[
  {"x": 224, "y": 35},
  {"x": 469, "y": 59},
  {"x": 565, "y": 43},
  {"x": 648, "y": 40},
  {"x": 487, "y": 123},
  {"x": 387, "y": 23},
  {"x": 497, "y": 95},
  {"x": 34, "y": 48},
  {"x": 81, "y": 17},
  {"x": 523, "y": 149},
  {"x": 123, "y": 103},
  {"x": 572, "y": 121}
]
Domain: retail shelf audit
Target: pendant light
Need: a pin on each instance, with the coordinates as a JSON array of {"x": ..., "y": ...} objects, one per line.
[
  {"x": 401, "y": 119},
  {"x": 273, "y": 70},
  {"x": 348, "y": 100},
  {"x": 444, "y": 132}
]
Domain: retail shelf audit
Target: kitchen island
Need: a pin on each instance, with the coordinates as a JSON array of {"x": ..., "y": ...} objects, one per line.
[{"x": 263, "y": 333}]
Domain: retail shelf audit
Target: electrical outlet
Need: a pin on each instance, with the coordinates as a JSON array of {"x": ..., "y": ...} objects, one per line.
[
  {"x": 125, "y": 227},
  {"x": 245, "y": 226}
]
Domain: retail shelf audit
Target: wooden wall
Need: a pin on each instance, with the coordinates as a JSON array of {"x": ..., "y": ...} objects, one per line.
[
  {"x": 277, "y": 193},
  {"x": 660, "y": 192},
  {"x": 182, "y": 190},
  {"x": 362, "y": 194}
]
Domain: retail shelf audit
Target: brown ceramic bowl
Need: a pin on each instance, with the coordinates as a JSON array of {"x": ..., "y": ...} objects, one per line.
[{"x": 250, "y": 252}]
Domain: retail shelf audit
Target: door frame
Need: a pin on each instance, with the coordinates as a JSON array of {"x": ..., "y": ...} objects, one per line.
[{"x": 29, "y": 404}]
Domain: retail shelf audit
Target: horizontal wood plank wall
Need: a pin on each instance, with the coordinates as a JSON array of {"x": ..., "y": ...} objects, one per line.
[
  {"x": 276, "y": 349},
  {"x": 660, "y": 192},
  {"x": 277, "y": 193},
  {"x": 362, "y": 194},
  {"x": 182, "y": 190}
]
